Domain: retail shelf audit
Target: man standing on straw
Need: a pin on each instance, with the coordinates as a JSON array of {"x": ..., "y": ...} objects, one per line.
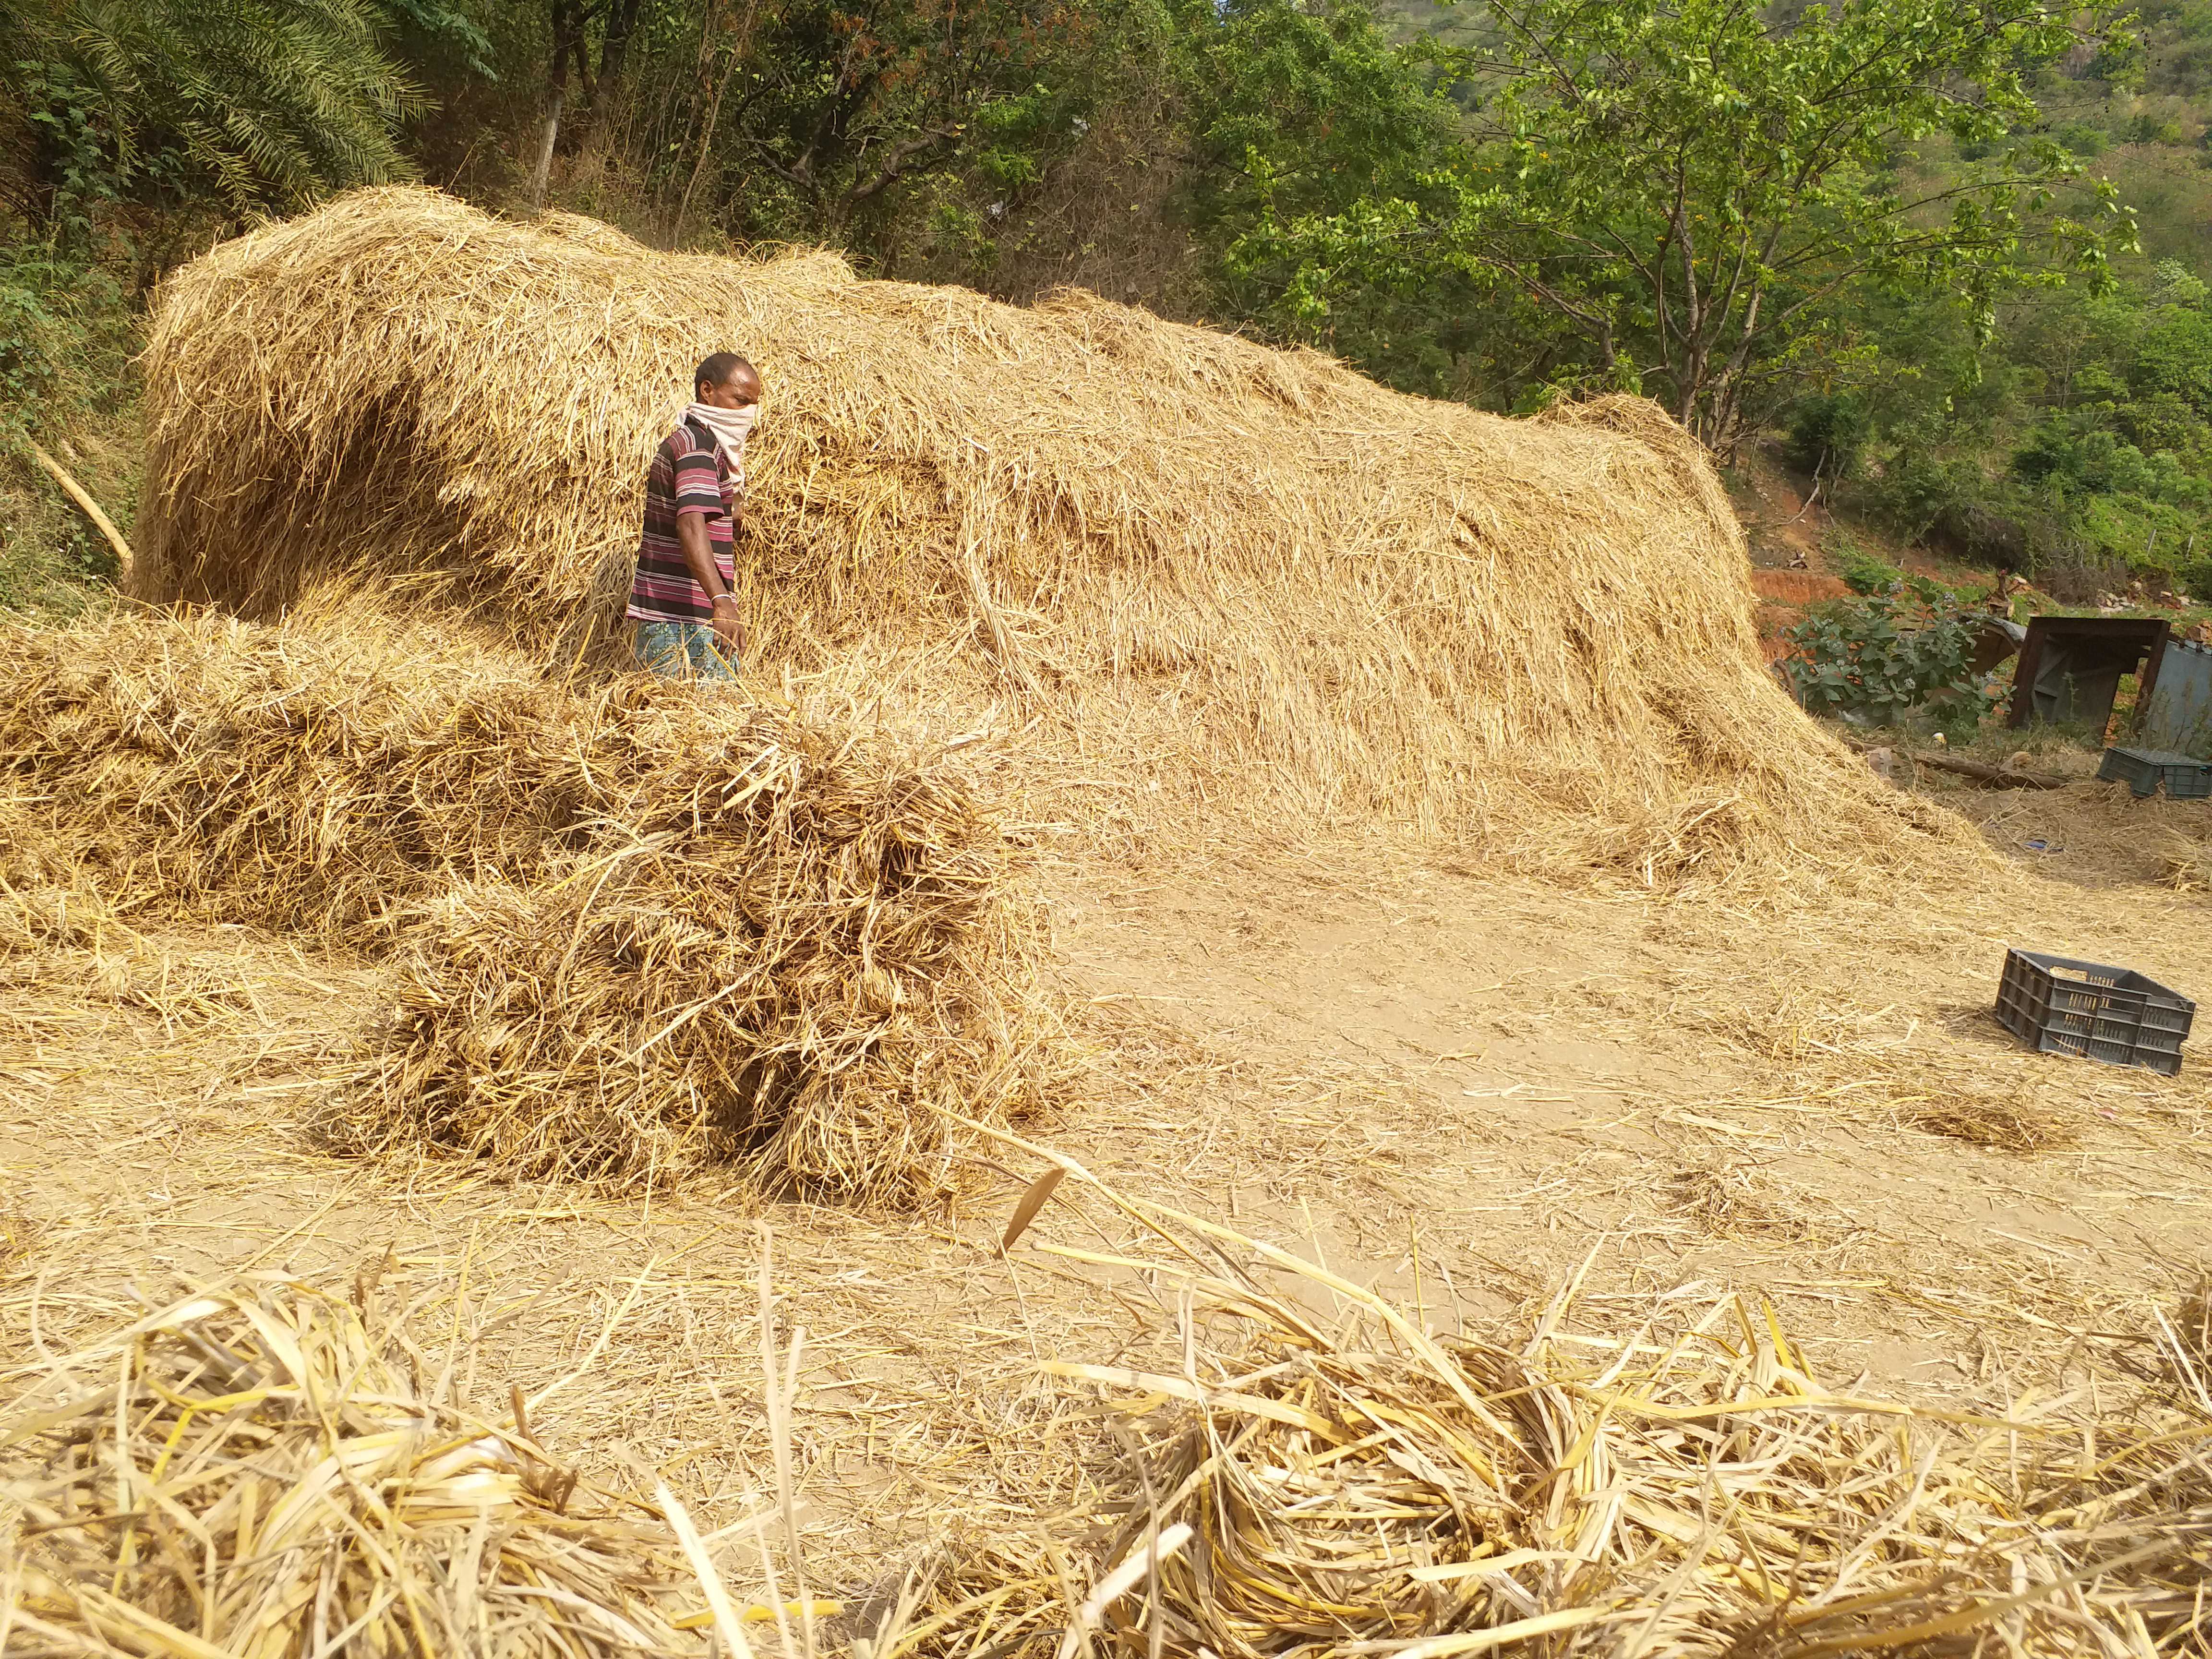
[{"x": 682, "y": 600}]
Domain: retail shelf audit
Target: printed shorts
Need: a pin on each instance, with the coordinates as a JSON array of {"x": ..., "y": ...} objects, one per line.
[{"x": 684, "y": 651}]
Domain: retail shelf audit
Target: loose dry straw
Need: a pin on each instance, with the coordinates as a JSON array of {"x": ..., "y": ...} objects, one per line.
[
  {"x": 247, "y": 1473},
  {"x": 1375, "y": 1489},
  {"x": 1198, "y": 571},
  {"x": 258, "y": 1471},
  {"x": 635, "y": 930}
]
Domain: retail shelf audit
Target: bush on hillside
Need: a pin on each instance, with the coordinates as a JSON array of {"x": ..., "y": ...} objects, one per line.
[
  {"x": 27, "y": 333},
  {"x": 1862, "y": 572},
  {"x": 1828, "y": 434},
  {"x": 1898, "y": 652},
  {"x": 2081, "y": 575}
]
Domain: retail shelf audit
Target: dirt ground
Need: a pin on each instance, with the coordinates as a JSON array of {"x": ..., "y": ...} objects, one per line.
[{"x": 1464, "y": 1086}]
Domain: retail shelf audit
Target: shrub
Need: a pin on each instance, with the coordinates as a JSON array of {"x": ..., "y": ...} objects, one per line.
[
  {"x": 67, "y": 336},
  {"x": 2083, "y": 139},
  {"x": 1985, "y": 531},
  {"x": 1828, "y": 434},
  {"x": 1861, "y": 571},
  {"x": 2148, "y": 129},
  {"x": 27, "y": 333},
  {"x": 1893, "y": 653},
  {"x": 2082, "y": 575},
  {"x": 1918, "y": 485}
]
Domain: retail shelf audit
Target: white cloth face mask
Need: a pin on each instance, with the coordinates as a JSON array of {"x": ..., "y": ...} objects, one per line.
[{"x": 731, "y": 428}]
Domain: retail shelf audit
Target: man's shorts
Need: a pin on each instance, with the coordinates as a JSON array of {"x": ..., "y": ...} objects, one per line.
[{"x": 684, "y": 651}]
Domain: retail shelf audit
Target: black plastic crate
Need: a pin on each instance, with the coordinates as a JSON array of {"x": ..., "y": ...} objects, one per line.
[
  {"x": 2144, "y": 770},
  {"x": 2068, "y": 1007}
]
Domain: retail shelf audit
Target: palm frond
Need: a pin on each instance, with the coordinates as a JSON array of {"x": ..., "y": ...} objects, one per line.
[{"x": 276, "y": 102}]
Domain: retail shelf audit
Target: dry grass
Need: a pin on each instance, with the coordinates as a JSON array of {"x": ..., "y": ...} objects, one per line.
[
  {"x": 243, "y": 1471},
  {"x": 313, "y": 779},
  {"x": 271, "y": 1469},
  {"x": 782, "y": 966},
  {"x": 268, "y": 1469},
  {"x": 642, "y": 930},
  {"x": 984, "y": 1452},
  {"x": 18, "y": 1236},
  {"x": 2023, "y": 1104},
  {"x": 2090, "y": 834},
  {"x": 1880, "y": 1063},
  {"x": 2193, "y": 1328},
  {"x": 1197, "y": 574},
  {"x": 1734, "y": 1200},
  {"x": 52, "y": 936},
  {"x": 2187, "y": 862},
  {"x": 2008, "y": 1126},
  {"x": 1307, "y": 1482}
]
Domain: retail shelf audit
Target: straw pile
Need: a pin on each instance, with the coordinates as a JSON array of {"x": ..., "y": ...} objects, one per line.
[
  {"x": 249, "y": 1474},
  {"x": 784, "y": 959},
  {"x": 638, "y": 930},
  {"x": 1206, "y": 571},
  {"x": 315, "y": 779},
  {"x": 2185, "y": 861},
  {"x": 1302, "y": 1485}
]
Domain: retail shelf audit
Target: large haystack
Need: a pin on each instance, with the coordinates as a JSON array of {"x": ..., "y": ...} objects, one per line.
[{"x": 1191, "y": 569}]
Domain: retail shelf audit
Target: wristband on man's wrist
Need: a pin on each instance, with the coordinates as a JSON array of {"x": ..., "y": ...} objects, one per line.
[{"x": 719, "y": 598}]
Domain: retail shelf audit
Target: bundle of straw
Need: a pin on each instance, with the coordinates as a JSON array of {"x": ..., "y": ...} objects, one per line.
[
  {"x": 249, "y": 1474},
  {"x": 786, "y": 960},
  {"x": 2186, "y": 862},
  {"x": 1302, "y": 1486},
  {"x": 643, "y": 928},
  {"x": 1233, "y": 573}
]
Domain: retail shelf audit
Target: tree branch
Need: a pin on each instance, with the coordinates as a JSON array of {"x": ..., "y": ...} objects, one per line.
[{"x": 895, "y": 167}]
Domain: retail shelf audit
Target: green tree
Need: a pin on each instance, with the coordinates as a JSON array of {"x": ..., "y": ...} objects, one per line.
[
  {"x": 1304, "y": 110},
  {"x": 871, "y": 123},
  {"x": 1691, "y": 187},
  {"x": 251, "y": 102}
]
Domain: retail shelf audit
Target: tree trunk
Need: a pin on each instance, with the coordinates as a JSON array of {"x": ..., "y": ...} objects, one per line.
[
  {"x": 739, "y": 44},
  {"x": 614, "y": 51},
  {"x": 549, "y": 133},
  {"x": 567, "y": 31},
  {"x": 588, "y": 129},
  {"x": 706, "y": 150},
  {"x": 1690, "y": 408}
]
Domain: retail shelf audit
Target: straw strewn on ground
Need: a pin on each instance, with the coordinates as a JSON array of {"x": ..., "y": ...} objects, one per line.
[
  {"x": 254, "y": 1473},
  {"x": 268, "y": 1468},
  {"x": 1192, "y": 562},
  {"x": 1350, "y": 1483},
  {"x": 643, "y": 929}
]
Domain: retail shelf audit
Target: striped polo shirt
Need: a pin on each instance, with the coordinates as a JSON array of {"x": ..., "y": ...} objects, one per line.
[{"x": 689, "y": 475}]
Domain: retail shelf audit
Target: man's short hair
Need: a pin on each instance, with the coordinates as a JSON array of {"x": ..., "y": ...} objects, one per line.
[{"x": 717, "y": 369}]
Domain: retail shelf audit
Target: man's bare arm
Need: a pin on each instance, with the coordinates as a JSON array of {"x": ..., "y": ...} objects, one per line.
[{"x": 699, "y": 557}]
